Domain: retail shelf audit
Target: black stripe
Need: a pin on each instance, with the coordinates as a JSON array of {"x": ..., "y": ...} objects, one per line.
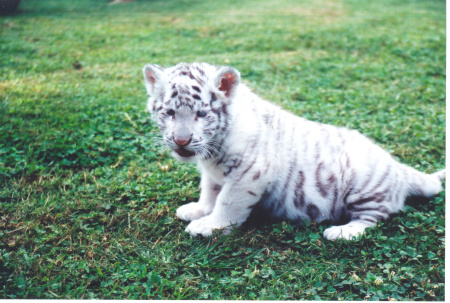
[
  {"x": 299, "y": 200},
  {"x": 382, "y": 179},
  {"x": 335, "y": 211},
  {"x": 312, "y": 211},
  {"x": 322, "y": 189},
  {"x": 248, "y": 168},
  {"x": 290, "y": 173}
]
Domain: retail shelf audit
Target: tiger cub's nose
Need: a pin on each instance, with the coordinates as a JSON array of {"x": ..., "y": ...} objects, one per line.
[{"x": 182, "y": 141}]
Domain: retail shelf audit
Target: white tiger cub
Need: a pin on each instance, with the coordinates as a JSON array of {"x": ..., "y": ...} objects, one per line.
[{"x": 252, "y": 153}]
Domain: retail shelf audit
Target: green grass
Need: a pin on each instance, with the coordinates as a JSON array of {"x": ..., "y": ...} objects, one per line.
[{"x": 88, "y": 197}]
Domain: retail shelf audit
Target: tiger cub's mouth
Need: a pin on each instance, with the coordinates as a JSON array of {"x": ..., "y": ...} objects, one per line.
[{"x": 184, "y": 153}]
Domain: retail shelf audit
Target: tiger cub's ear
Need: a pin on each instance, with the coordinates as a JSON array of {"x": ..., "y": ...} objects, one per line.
[
  {"x": 227, "y": 79},
  {"x": 154, "y": 78}
]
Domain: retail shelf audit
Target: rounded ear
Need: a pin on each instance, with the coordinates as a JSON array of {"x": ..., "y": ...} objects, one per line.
[
  {"x": 154, "y": 77},
  {"x": 227, "y": 79}
]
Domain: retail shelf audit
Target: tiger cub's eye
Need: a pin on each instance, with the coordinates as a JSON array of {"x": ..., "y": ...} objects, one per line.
[
  {"x": 170, "y": 112},
  {"x": 201, "y": 114}
]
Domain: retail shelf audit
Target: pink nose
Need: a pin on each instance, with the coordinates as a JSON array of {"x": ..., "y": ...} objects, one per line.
[{"x": 182, "y": 141}]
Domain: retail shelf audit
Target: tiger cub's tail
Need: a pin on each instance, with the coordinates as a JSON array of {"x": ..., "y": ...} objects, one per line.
[
  {"x": 425, "y": 185},
  {"x": 440, "y": 174}
]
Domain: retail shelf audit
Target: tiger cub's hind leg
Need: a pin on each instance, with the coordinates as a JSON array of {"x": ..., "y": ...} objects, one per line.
[
  {"x": 363, "y": 214},
  {"x": 347, "y": 231}
]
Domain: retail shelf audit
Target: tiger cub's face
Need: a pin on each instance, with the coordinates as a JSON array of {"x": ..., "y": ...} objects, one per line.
[
  {"x": 189, "y": 104},
  {"x": 187, "y": 124}
]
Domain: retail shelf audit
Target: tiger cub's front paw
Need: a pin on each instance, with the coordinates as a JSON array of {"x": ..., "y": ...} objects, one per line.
[
  {"x": 192, "y": 211},
  {"x": 206, "y": 225}
]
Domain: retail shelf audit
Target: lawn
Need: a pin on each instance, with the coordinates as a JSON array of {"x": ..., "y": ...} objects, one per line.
[{"x": 88, "y": 194}]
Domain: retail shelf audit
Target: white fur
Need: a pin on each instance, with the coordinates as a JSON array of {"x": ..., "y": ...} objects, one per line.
[{"x": 297, "y": 169}]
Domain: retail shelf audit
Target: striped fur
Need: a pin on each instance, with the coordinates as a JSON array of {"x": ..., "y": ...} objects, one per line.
[{"x": 252, "y": 153}]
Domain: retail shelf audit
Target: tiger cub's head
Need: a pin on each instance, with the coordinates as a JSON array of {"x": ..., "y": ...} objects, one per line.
[{"x": 189, "y": 103}]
